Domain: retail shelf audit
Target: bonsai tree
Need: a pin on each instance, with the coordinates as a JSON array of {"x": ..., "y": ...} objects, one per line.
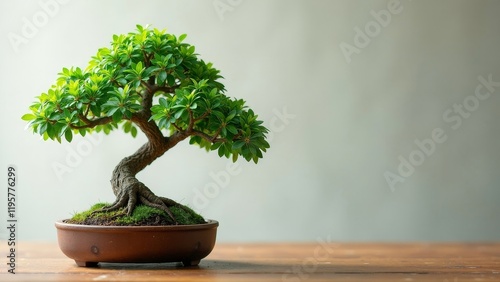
[{"x": 150, "y": 80}]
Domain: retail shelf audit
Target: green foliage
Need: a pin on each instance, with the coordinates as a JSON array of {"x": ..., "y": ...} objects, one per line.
[
  {"x": 230, "y": 128},
  {"x": 141, "y": 213},
  {"x": 149, "y": 73}
]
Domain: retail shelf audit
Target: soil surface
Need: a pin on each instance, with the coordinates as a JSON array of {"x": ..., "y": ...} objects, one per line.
[
  {"x": 156, "y": 220},
  {"x": 141, "y": 216}
]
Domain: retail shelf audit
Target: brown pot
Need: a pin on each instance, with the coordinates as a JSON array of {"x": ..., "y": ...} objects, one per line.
[{"x": 91, "y": 244}]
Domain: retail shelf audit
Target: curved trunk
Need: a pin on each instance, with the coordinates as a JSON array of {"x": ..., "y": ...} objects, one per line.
[
  {"x": 130, "y": 166},
  {"x": 156, "y": 146},
  {"x": 129, "y": 191}
]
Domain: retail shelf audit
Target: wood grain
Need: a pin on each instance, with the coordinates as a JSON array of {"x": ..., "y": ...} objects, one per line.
[{"x": 446, "y": 262}]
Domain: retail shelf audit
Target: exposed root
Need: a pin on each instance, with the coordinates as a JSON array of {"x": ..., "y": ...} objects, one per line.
[
  {"x": 159, "y": 205},
  {"x": 133, "y": 192}
]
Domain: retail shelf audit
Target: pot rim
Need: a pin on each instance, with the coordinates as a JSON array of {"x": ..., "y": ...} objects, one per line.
[{"x": 80, "y": 227}]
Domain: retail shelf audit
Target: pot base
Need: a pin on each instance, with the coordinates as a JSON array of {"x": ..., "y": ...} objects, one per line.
[
  {"x": 88, "y": 245},
  {"x": 95, "y": 264}
]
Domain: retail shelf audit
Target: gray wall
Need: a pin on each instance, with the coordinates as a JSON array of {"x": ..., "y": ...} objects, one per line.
[{"x": 382, "y": 125}]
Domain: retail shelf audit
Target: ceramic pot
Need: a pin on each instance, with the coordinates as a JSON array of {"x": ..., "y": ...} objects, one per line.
[{"x": 91, "y": 244}]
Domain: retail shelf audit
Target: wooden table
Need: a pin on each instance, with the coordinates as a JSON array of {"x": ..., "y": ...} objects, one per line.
[{"x": 320, "y": 261}]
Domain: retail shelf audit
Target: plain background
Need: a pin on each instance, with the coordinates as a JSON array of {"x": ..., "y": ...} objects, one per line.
[{"x": 339, "y": 123}]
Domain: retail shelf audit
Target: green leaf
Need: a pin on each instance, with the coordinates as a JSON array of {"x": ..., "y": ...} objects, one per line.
[
  {"x": 133, "y": 131},
  {"x": 162, "y": 123},
  {"x": 179, "y": 113},
  {"x": 182, "y": 37},
  {"x": 255, "y": 159},
  {"x": 127, "y": 126},
  {"x": 232, "y": 129},
  {"x": 231, "y": 115},
  {"x": 96, "y": 111},
  {"x": 106, "y": 129},
  {"x": 252, "y": 150},
  {"x": 221, "y": 151},
  {"x": 28, "y": 117},
  {"x": 43, "y": 128},
  {"x": 51, "y": 131},
  {"x": 195, "y": 140},
  {"x": 127, "y": 114},
  {"x": 162, "y": 76},
  {"x": 117, "y": 116},
  {"x": 68, "y": 134},
  {"x": 163, "y": 102},
  {"x": 259, "y": 153},
  {"x": 150, "y": 70},
  {"x": 219, "y": 115},
  {"x": 171, "y": 80},
  {"x": 138, "y": 68},
  {"x": 112, "y": 111},
  {"x": 238, "y": 144},
  {"x": 122, "y": 81},
  {"x": 215, "y": 146}
]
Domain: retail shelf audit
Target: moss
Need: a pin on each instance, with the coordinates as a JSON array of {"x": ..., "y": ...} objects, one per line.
[{"x": 142, "y": 215}]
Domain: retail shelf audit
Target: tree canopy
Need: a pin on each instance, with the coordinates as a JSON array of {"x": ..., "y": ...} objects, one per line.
[{"x": 149, "y": 78}]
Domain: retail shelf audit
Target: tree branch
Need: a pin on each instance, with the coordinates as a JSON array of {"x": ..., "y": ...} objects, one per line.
[
  {"x": 178, "y": 128},
  {"x": 218, "y": 132},
  {"x": 148, "y": 86},
  {"x": 191, "y": 120},
  {"x": 202, "y": 116},
  {"x": 147, "y": 59},
  {"x": 87, "y": 111},
  {"x": 166, "y": 89},
  {"x": 91, "y": 123},
  {"x": 207, "y": 137},
  {"x": 115, "y": 83}
]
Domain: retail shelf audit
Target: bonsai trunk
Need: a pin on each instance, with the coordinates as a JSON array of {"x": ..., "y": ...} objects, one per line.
[{"x": 129, "y": 191}]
